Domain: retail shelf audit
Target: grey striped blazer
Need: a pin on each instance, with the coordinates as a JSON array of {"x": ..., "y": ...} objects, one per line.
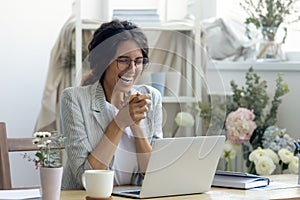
[{"x": 83, "y": 122}]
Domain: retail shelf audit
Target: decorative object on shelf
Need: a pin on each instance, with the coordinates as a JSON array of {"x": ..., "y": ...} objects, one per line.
[
  {"x": 97, "y": 10},
  {"x": 143, "y": 17},
  {"x": 172, "y": 87},
  {"x": 249, "y": 128},
  {"x": 158, "y": 80},
  {"x": 48, "y": 160},
  {"x": 183, "y": 119},
  {"x": 268, "y": 47},
  {"x": 269, "y": 16}
]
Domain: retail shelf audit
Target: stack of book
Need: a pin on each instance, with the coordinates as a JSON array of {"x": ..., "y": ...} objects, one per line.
[{"x": 142, "y": 17}]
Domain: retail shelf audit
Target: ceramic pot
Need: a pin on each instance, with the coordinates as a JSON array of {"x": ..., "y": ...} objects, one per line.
[{"x": 51, "y": 182}]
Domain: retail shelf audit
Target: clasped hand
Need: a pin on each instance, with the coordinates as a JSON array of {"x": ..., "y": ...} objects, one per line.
[{"x": 134, "y": 111}]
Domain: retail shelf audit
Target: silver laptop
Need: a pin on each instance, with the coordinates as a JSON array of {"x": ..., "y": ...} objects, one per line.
[{"x": 178, "y": 166}]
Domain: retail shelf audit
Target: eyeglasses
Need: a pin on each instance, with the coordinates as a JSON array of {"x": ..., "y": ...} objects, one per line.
[{"x": 123, "y": 62}]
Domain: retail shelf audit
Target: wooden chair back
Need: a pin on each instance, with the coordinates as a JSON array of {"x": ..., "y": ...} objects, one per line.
[{"x": 10, "y": 145}]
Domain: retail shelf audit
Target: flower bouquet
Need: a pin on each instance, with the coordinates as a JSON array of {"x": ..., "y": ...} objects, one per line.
[{"x": 250, "y": 117}]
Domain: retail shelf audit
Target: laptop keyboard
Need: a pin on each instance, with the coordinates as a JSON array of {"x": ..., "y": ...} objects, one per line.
[{"x": 137, "y": 192}]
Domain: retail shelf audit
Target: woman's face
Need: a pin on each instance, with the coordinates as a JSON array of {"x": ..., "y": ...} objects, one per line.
[{"x": 125, "y": 67}]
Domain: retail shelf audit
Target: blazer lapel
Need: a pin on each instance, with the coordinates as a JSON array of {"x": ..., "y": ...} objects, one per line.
[{"x": 98, "y": 105}]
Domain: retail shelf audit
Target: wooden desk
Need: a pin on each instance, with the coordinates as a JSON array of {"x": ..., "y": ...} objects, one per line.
[{"x": 220, "y": 193}]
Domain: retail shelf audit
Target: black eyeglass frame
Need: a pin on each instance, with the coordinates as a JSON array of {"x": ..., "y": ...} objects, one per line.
[{"x": 129, "y": 60}]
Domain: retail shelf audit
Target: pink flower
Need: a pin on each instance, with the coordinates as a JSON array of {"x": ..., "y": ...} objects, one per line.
[{"x": 240, "y": 125}]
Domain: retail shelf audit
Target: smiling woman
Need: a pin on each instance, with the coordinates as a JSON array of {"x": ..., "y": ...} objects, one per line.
[{"x": 109, "y": 122}]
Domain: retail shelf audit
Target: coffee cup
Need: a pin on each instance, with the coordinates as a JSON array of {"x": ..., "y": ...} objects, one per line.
[{"x": 98, "y": 183}]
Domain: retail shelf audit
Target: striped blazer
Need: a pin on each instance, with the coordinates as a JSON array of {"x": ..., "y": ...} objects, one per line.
[{"x": 83, "y": 121}]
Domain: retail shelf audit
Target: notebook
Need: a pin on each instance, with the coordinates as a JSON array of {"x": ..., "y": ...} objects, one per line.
[
  {"x": 239, "y": 180},
  {"x": 179, "y": 166}
]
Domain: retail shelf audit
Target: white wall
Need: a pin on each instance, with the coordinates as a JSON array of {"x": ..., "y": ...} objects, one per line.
[{"x": 29, "y": 29}]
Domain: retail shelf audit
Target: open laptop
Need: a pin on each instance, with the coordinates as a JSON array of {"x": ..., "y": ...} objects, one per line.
[{"x": 178, "y": 166}]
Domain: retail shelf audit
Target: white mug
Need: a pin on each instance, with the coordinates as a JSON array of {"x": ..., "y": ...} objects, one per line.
[{"x": 98, "y": 183}]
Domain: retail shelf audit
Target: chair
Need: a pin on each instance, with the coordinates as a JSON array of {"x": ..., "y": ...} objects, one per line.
[{"x": 10, "y": 145}]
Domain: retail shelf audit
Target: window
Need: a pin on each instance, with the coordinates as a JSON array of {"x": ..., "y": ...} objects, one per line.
[{"x": 230, "y": 9}]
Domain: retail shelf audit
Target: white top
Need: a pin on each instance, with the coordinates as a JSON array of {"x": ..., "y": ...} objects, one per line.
[{"x": 125, "y": 160}]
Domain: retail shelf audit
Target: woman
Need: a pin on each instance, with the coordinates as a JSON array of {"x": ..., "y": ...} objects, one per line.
[{"x": 109, "y": 123}]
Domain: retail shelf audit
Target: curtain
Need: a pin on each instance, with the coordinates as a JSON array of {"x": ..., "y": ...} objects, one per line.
[{"x": 61, "y": 65}]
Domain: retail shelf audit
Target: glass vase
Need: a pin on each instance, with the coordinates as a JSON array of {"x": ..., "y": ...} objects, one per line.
[{"x": 269, "y": 47}]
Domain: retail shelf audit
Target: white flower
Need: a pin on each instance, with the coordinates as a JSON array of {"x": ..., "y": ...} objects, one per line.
[
  {"x": 285, "y": 155},
  {"x": 257, "y": 154},
  {"x": 264, "y": 166},
  {"x": 36, "y": 134},
  {"x": 271, "y": 154},
  {"x": 184, "y": 119},
  {"x": 293, "y": 165},
  {"x": 36, "y": 140},
  {"x": 41, "y": 145},
  {"x": 47, "y": 134},
  {"x": 228, "y": 150}
]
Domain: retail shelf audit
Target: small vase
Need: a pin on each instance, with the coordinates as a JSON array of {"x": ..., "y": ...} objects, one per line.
[
  {"x": 51, "y": 182},
  {"x": 269, "y": 47}
]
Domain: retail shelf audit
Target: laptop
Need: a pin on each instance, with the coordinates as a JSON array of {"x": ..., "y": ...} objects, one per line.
[{"x": 179, "y": 166}]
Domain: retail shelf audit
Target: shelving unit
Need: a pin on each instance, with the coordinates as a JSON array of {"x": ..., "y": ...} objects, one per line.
[{"x": 192, "y": 69}]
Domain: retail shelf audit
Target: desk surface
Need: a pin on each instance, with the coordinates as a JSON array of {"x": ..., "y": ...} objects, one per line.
[{"x": 221, "y": 193}]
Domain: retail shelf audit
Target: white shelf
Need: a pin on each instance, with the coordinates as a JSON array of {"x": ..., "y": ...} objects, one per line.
[
  {"x": 95, "y": 25},
  {"x": 86, "y": 26},
  {"x": 258, "y": 66},
  {"x": 180, "y": 99}
]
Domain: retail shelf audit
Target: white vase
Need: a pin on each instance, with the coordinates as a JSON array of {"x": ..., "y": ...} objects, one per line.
[{"x": 51, "y": 182}]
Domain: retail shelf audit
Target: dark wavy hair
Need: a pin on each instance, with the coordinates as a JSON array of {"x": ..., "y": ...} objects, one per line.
[{"x": 104, "y": 44}]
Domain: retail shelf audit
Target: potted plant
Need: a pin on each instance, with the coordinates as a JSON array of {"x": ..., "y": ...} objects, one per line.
[
  {"x": 268, "y": 16},
  {"x": 48, "y": 160}
]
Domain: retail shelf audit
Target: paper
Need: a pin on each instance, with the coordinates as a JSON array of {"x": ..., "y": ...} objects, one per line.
[
  {"x": 274, "y": 185},
  {"x": 20, "y": 194}
]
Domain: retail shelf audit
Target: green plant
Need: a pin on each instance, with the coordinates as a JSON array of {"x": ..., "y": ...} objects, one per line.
[
  {"x": 49, "y": 153},
  {"x": 254, "y": 96}
]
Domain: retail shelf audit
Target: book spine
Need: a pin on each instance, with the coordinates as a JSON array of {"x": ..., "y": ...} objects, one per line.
[{"x": 298, "y": 167}]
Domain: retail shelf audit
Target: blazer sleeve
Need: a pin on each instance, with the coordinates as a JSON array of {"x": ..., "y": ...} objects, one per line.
[{"x": 73, "y": 127}]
